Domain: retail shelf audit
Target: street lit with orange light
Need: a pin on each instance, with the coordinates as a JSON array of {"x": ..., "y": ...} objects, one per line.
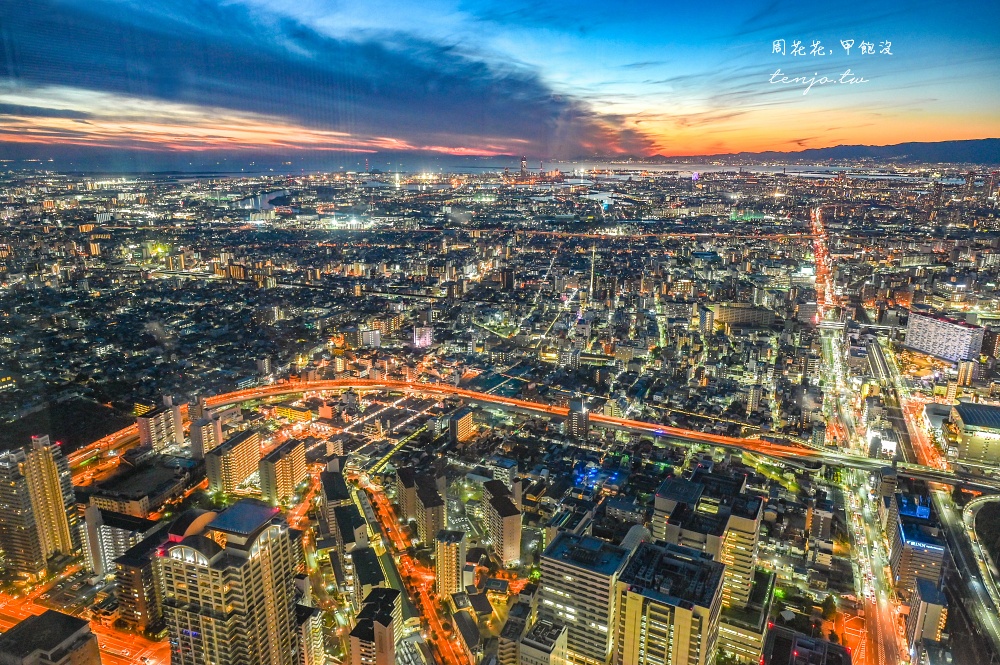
[
  {"x": 418, "y": 579},
  {"x": 118, "y": 647}
]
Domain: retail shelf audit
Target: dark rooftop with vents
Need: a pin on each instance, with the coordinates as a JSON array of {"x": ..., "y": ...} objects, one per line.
[
  {"x": 45, "y": 632},
  {"x": 676, "y": 575}
]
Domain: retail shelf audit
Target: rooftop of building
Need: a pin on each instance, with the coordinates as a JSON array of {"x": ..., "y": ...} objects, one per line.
[
  {"x": 544, "y": 635},
  {"x": 44, "y": 632},
  {"x": 480, "y": 604},
  {"x": 587, "y": 552},
  {"x": 785, "y": 646},
  {"x": 140, "y": 554},
  {"x": 232, "y": 442},
  {"x": 468, "y": 628},
  {"x": 137, "y": 482},
  {"x": 244, "y": 517},
  {"x": 450, "y": 536},
  {"x": 920, "y": 535},
  {"x": 502, "y": 462},
  {"x": 155, "y": 412},
  {"x": 303, "y": 613},
  {"x": 691, "y": 518},
  {"x": 504, "y": 506},
  {"x": 513, "y": 628},
  {"x": 125, "y": 522},
  {"x": 930, "y": 593},
  {"x": 367, "y": 570},
  {"x": 986, "y": 416},
  {"x": 913, "y": 505},
  {"x": 927, "y": 314},
  {"x": 283, "y": 450},
  {"x": 496, "y": 488},
  {"x": 334, "y": 486},
  {"x": 429, "y": 496},
  {"x": 406, "y": 476},
  {"x": 678, "y": 575},
  {"x": 375, "y": 608}
]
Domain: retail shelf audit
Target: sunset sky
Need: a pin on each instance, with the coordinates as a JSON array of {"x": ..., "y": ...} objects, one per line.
[{"x": 99, "y": 78}]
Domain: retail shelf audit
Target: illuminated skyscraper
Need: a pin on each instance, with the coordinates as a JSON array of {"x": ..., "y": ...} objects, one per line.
[
  {"x": 37, "y": 516},
  {"x": 160, "y": 427},
  {"x": 578, "y": 420},
  {"x": 282, "y": 470},
  {"x": 449, "y": 562},
  {"x": 231, "y": 463},
  {"x": 669, "y": 602},
  {"x": 578, "y": 589},
  {"x": 229, "y": 591}
]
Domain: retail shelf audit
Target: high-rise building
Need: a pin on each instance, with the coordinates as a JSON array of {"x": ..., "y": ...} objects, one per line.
[
  {"x": 503, "y": 469},
  {"x": 669, "y": 600},
  {"x": 372, "y": 338},
  {"x": 430, "y": 512},
  {"x": 460, "y": 425},
  {"x": 281, "y": 471},
  {"x": 711, "y": 513},
  {"x": 449, "y": 562},
  {"x": 229, "y": 591},
  {"x": 206, "y": 435},
  {"x": 578, "y": 419},
  {"x": 507, "y": 279},
  {"x": 578, "y": 584},
  {"x": 37, "y": 510},
  {"x": 50, "y": 638},
  {"x": 423, "y": 336},
  {"x": 569, "y": 357},
  {"x": 310, "y": 629},
  {"x": 503, "y": 522},
  {"x": 160, "y": 428},
  {"x": 372, "y": 641},
  {"x": 968, "y": 371},
  {"x": 108, "y": 535},
  {"x": 754, "y": 394},
  {"x": 942, "y": 337},
  {"x": 927, "y": 617},
  {"x": 138, "y": 596},
  {"x": 335, "y": 494},
  {"x": 349, "y": 532},
  {"x": 917, "y": 548},
  {"x": 233, "y": 462},
  {"x": 406, "y": 492},
  {"x": 706, "y": 320},
  {"x": 509, "y": 640},
  {"x": 368, "y": 575},
  {"x": 742, "y": 314},
  {"x": 544, "y": 644},
  {"x": 918, "y": 552}
]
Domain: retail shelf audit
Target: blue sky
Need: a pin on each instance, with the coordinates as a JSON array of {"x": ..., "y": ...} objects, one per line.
[{"x": 457, "y": 77}]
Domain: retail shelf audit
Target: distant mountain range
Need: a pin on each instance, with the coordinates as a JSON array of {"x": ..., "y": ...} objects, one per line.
[{"x": 975, "y": 151}]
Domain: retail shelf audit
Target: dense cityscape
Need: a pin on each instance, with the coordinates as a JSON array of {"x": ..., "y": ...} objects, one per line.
[{"x": 544, "y": 414}]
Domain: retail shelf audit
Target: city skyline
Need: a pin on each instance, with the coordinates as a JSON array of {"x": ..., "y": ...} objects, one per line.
[{"x": 110, "y": 84}]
